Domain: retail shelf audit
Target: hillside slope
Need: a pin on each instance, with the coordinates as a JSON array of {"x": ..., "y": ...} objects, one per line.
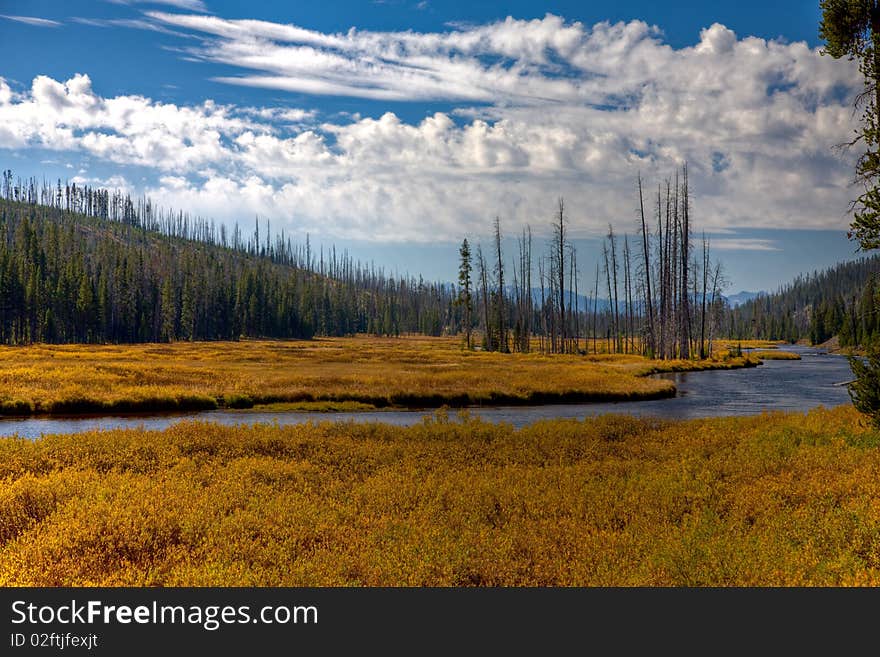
[
  {"x": 841, "y": 301},
  {"x": 133, "y": 276}
]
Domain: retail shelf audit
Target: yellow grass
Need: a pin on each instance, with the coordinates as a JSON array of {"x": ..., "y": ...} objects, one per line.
[
  {"x": 775, "y": 355},
  {"x": 770, "y": 500},
  {"x": 408, "y": 372},
  {"x": 751, "y": 344}
]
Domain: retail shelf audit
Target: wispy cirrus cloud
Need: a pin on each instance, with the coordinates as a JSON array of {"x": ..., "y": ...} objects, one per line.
[
  {"x": 133, "y": 23},
  {"x": 189, "y": 5},
  {"x": 525, "y": 66},
  {"x": 32, "y": 20}
]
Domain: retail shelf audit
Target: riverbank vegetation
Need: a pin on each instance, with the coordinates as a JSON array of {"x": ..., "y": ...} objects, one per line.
[
  {"x": 774, "y": 354},
  {"x": 731, "y": 345},
  {"x": 780, "y": 499},
  {"x": 412, "y": 372}
]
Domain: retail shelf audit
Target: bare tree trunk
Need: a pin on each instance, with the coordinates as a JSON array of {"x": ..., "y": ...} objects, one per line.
[
  {"x": 569, "y": 323},
  {"x": 577, "y": 303},
  {"x": 661, "y": 244},
  {"x": 694, "y": 303},
  {"x": 607, "y": 276},
  {"x": 560, "y": 254},
  {"x": 612, "y": 240},
  {"x": 649, "y": 302},
  {"x": 640, "y": 330},
  {"x": 526, "y": 274},
  {"x": 596, "y": 310},
  {"x": 715, "y": 283},
  {"x": 543, "y": 305},
  {"x": 670, "y": 268},
  {"x": 529, "y": 285},
  {"x": 674, "y": 279},
  {"x": 517, "y": 304},
  {"x": 553, "y": 317},
  {"x": 627, "y": 285},
  {"x": 484, "y": 283},
  {"x": 705, "y": 283},
  {"x": 685, "y": 261},
  {"x": 503, "y": 345}
]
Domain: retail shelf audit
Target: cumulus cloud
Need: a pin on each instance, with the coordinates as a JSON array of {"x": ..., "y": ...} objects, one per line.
[
  {"x": 116, "y": 182},
  {"x": 125, "y": 129},
  {"x": 5, "y": 92},
  {"x": 544, "y": 108}
]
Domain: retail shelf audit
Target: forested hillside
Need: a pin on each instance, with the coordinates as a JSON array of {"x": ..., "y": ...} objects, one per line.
[
  {"x": 841, "y": 301},
  {"x": 79, "y": 264},
  {"x": 83, "y": 264}
]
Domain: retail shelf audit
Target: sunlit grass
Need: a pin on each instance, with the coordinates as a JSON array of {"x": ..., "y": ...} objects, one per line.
[
  {"x": 769, "y": 500},
  {"x": 751, "y": 344},
  {"x": 769, "y": 354},
  {"x": 413, "y": 372},
  {"x": 315, "y": 407}
]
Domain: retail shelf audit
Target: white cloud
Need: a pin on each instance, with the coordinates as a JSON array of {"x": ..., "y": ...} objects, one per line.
[
  {"x": 133, "y": 23},
  {"x": 287, "y": 114},
  {"x": 190, "y": 5},
  {"x": 743, "y": 244},
  {"x": 5, "y": 92},
  {"x": 32, "y": 20},
  {"x": 544, "y": 109},
  {"x": 125, "y": 129},
  {"x": 392, "y": 66},
  {"x": 115, "y": 182}
]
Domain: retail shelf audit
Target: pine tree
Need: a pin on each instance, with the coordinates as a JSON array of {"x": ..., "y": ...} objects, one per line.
[{"x": 865, "y": 390}]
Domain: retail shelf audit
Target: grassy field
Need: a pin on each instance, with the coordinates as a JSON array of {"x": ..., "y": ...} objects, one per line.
[
  {"x": 773, "y": 354},
  {"x": 768, "y": 500},
  {"x": 339, "y": 373},
  {"x": 752, "y": 344}
]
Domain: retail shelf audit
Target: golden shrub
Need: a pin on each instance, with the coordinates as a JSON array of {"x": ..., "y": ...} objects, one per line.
[{"x": 777, "y": 499}]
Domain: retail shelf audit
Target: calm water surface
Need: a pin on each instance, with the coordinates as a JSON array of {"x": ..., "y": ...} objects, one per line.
[{"x": 796, "y": 385}]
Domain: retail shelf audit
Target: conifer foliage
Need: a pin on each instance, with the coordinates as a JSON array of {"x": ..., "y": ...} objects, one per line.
[
  {"x": 79, "y": 264},
  {"x": 865, "y": 389}
]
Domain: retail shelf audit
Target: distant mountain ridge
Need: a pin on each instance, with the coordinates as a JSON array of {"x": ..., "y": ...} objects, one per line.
[
  {"x": 585, "y": 303},
  {"x": 741, "y": 297}
]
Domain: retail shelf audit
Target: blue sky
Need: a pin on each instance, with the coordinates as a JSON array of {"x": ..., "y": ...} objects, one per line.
[{"x": 396, "y": 128}]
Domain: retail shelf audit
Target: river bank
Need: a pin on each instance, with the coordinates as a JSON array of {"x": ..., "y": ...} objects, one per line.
[
  {"x": 783, "y": 385},
  {"x": 321, "y": 374}
]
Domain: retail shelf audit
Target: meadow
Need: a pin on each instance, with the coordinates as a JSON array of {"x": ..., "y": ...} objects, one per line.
[
  {"x": 773, "y": 354},
  {"x": 323, "y": 374},
  {"x": 778, "y": 499}
]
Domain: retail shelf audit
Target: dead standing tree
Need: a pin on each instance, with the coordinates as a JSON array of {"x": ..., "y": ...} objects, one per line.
[
  {"x": 685, "y": 318},
  {"x": 651, "y": 345},
  {"x": 502, "y": 342},
  {"x": 559, "y": 248}
]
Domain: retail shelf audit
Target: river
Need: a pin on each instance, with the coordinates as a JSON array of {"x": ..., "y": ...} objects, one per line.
[{"x": 786, "y": 385}]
